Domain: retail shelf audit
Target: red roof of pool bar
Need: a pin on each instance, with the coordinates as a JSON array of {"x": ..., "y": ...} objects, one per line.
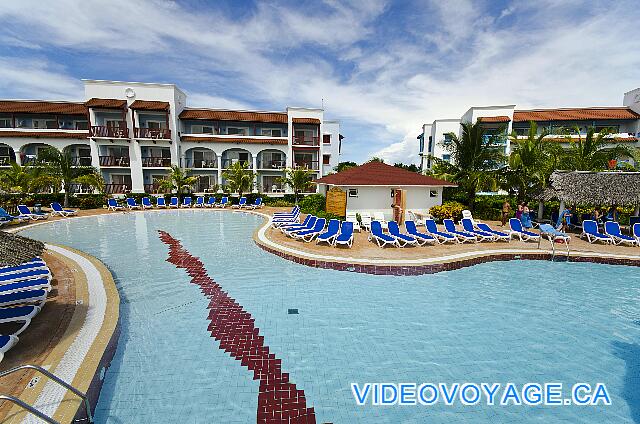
[{"x": 380, "y": 174}]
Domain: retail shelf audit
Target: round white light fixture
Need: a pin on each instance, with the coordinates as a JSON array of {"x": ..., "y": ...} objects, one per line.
[{"x": 129, "y": 93}]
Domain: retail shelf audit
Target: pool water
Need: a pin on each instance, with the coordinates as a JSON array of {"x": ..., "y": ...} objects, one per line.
[{"x": 520, "y": 321}]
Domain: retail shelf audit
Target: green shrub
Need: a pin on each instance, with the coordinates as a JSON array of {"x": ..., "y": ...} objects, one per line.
[
  {"x": 448, "y": 210},
  {"x": 312, "y": 203}
]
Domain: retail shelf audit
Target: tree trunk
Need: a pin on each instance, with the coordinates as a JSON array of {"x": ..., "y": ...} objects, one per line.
[
  {"x": 66, "y": 195},
  {"x": 540, "y": 209}
]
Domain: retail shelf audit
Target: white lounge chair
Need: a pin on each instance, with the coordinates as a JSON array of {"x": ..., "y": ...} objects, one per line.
[
  {"x": 366, "y": 220},
  {"x": 352, "y": 217},
  {"x": 379, "y": 216}
]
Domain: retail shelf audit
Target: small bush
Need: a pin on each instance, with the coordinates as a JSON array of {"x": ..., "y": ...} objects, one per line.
[
  {"x": 312, "y": 203},
  {"x": 448, "y": 210}
]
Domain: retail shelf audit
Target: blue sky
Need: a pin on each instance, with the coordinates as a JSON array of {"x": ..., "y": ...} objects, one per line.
[{"x": 383, "y": 68}]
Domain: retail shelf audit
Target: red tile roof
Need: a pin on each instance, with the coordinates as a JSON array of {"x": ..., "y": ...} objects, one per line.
[
  {"x": 231, "y": 115},
  {"x": 235, "y": 140},
  {"x": 574, "y": 114},
  {"x": 149, "y": 105},
  {"x": 629, "y": 139},
  {"x": 380, "y": 174},
  {"x": 306, "y": 121},
  {"x": 44, "y": 134},
  {"x": 106, "y": 103},
  {"x": 36, "y": 106},
  {"x": 490, "y": 119}
]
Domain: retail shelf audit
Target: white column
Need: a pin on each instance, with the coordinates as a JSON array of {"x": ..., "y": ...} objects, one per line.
[
  {"x": 219, "y": 160},
  {"x": 255, "y": 176},
  {"x": 135, "y": 157}
]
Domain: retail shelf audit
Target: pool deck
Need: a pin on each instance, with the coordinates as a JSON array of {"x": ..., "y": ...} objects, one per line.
[{"x": 76, "y": 333}]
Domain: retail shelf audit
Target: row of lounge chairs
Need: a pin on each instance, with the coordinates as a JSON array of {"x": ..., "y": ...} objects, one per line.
[
  {"x": 612, "y": 233},
  {"x": 23, "y": 293},
  {"x": 187, "y": 202},
  {"x": 26, "y": 214},
  {"x": 336, "y": 233}
]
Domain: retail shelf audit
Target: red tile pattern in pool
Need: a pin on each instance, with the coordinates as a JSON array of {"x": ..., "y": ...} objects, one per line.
[{"x": 279, "y": 400}]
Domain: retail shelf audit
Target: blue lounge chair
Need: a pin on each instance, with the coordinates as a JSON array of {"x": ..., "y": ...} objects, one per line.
[
  {"x": 295, "y": 225},
  {"x": 310, "y": 234},
  {"x": 257, "y": 204},
  {"x": 443, "y": 237},
  {"x": 6, "y": 343},
  {"x": 517, "y": 230},
  {"x": 58, "y": 210},
  {"x": 404, "y": 240},
  {"x": 290, "y": 231},
  {"x": 635, "y": 231},
  {"x": 590, "y": 231},
  {"x": 186, "y": 202},
  {"x": 380, "y": 237},
  {"x": 25, "y": 211},
  {"x": 462, "y": 236},
  {"x": 173, "y": 202},
  {"x": 112, "y": 205},
  {"x": 345, "y": 238},
  {"x": 612, "y": 229},
  {"x": 467, "y": 225},
  {"x": 498, "y": 235},
  {"x": 423, "y": 238},
  {"x": 160, "y": 202},
  {"x": 199, "y": 202},
  {"x": 34, "y": 284},
  {"x": 146, "y": 203},
  {"x": 131, "y": 203},
  {"x": 35, "y": 263},
  {"x": 279, "y": 221},
  {"x": 332, "y": 232},
  {"x": 211, "y": 202},
  {"x": 22, "y": 314},
  {"x": 241, "y": 203},
  {"x": 223, "y": 202},
  {"x": 294, "y": 210},
  {"x": 547, "y": 230},
  {"x": 29, "y": 274},
  {"x": 7, "y": 217},
  {"x": 23, "y": 297}
]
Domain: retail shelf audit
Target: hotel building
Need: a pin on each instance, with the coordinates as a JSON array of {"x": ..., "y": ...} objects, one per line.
[
  {"x": 134, "y": 132},
  {"x": 501, "y": 121}
]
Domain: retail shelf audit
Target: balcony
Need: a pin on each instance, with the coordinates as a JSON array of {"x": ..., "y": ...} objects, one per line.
[
  {"x": 271, "y": 164},
  {"x": 226, "y": 163},
  {"x": 156, "y": 162},
  {"x": 120, "y": 161},
  {"x": 497, "y": 140},
  {"x": 117, "y": 188},
  {"x": 299, "y": 140},
  {"x": 109, "y": 132},
  {"x": 81, "y": 160},
  {"x": 154, "y": 189},
  {"x": 201, "y": 163},
  {"x": 313, "y": 165},
  {"x": 152, "y": 133}
]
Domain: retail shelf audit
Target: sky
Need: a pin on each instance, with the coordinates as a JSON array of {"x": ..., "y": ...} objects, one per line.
[{"x": 383, "y": 68}]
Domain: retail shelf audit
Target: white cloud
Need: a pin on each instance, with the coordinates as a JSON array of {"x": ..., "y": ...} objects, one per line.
[{"x": 36, "y": 79}]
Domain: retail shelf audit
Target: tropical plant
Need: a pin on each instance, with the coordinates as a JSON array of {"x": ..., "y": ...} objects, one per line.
[
  {"x": 178, "y": 180},
  {"x": 21, "y": 179},
  {"x": 343, "y": 166},
  {"x": 593, "y": 152},
  {"x": 475, "y": 160},
  {"x": 411, "y": 167},
  {"x": 299, "y": 179},
  {"x": 94, "y": 181},
  {"x": 531, "y": 163},
  {"x": 376, "y": 159},
  {"x": 239, "y": 178},
  {"x": 448, "y": 210},
  {"x": 59, "y": 170}
]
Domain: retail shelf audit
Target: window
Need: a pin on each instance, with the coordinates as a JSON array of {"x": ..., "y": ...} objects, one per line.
[
  {"x": 433, "y": 193},
  {"x": 155, "y": 125},
  {"x": 326, "y": 159},
  {"x": 446, "y": 158},
  {"x": 326, "y": 138},
  {"x": 113, "y": 123},
  {"x": 353, "y": 192},
  {"x": 5, "y": 123},
  {"x": 237, "y": 131},
  {"x": 271, "y": 132},
  {"x": 430, "y": 144},
  {"x": 201, "y": 129},
  {"x": 447, "y": 139},
  {"x": 45, "y": 124}
]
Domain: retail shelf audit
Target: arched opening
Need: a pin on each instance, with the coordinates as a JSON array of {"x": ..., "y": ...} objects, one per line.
[
  {"x": 7, "y": 155},
  {"x": 231, "y": 156},
  {"x": 272, "y": 159},
  {"x": 200, "y": 158},
  {"x": 29, "y": 152}
]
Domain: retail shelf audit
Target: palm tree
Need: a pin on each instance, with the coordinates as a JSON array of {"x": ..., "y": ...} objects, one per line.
[
  {"x": 94, "y": 180},
  {"x": 298, "y": 179},
  {"x": 20, "y": 179},
  {"x": 239, "y": 178},
  {"x": 592, "y": 153},
  {"x": 177, "y": 180},
  {"x": 475, "y": 160},
  {"x": 60, "y": 171}
]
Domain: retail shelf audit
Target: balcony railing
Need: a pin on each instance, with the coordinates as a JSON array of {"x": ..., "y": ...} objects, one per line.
[
  {"x": 226, "y": 163},
  {"x": 79, "y": 188},
  {"x": 156, "y": 162},
  {"x": 274, "y": 188},
  {"x": 314, "y": 165},
  {"x": 154, "y": 133},
  {"x": 271, "y": 164},
  {"x": 154, "y": 189},
  {"x": 109, "y": 132},
  {"x": 122, "y": 161},
  {"x": 306, "y": 141},
  {"x": 200, "y": 163},
  {"x": 117, "y": 188},
  {"x": 6, "y": 160},
  {"x": 81, "y": 161}
]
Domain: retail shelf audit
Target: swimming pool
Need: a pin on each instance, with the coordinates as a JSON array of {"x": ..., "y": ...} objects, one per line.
[{"x": 521, "y": 321}]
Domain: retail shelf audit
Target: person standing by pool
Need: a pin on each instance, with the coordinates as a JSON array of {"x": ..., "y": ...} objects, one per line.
[
  {"x": 597, "y": 215},
  {"x": 526, "y": 218},
  {"x": 564, "y": 220},
  {"x": 506, "y": 211},
  {"x": 519, "y": 211}
]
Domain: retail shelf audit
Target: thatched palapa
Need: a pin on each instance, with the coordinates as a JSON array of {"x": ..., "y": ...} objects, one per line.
[
  {"x": 594, "y": 188},
  {"x": 15, "y": 250}
]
